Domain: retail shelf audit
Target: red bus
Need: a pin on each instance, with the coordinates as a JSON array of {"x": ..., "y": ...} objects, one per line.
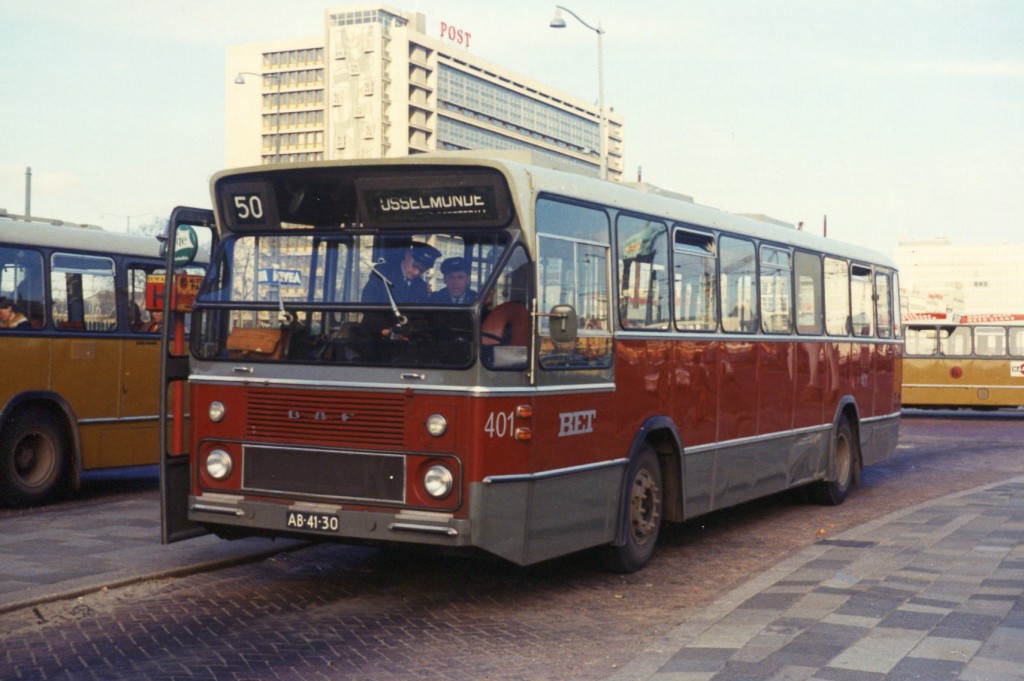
[{"x": 623, "y": 358}]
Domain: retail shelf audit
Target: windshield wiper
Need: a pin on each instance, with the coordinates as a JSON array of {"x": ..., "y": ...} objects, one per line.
[
  {"x": 284, "y": 317},
  {"x": 401, "y": 319}
]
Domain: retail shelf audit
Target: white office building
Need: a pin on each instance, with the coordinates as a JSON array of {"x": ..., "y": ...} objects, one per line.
[
  {"x": 939, "y": 276},
  {"x": 374, "y": 85}
]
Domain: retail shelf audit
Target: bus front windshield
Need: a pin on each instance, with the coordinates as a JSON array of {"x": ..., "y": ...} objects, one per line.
[{"x": 370, "y": 299}]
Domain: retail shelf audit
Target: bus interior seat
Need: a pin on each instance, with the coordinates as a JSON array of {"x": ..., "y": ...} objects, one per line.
[
  {"x": 506, "y": 324},
  {"x": 258, "y": 343}
]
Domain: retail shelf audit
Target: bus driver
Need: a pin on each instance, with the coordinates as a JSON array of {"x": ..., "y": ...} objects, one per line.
[{"x": 404, "y": 277}]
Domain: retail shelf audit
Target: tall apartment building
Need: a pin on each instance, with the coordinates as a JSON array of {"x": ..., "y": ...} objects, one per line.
[
  {"x": 939, "y": 276},
  {"x": 374, "y": 85}
]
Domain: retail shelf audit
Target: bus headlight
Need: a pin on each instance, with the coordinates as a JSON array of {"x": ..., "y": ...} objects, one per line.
[
  {"x": 219, "y": 464},
  {"x": 216, "y": 411},
  {"x": 438, "y": 482},
  {"x": 437, "y": 425}
]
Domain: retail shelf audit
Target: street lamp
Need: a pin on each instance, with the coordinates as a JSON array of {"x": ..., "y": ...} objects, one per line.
[
  {"x": 240, "y": 80},
  {"x": 559, "y": 22}
]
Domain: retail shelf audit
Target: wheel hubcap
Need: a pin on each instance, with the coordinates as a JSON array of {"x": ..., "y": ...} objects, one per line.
[
  {"x": 34, "y": 458},
  {"x": 644, "y": 506},
  {"x": 844, "y": 461}
]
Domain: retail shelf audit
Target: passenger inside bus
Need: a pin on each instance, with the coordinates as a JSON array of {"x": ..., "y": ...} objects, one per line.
[
  {"x": 156, "y": 321},
  {"x": 456, "y": 289},
  {"x": 10, "y": 318}
]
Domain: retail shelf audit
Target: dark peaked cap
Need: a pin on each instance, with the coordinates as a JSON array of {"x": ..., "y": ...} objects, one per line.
[
  {"x": 453, "y": 265},
  {"x": 424, "y": 255}
]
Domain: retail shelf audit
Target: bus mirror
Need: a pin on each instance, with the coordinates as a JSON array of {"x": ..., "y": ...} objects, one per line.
[{"x": 564, "y": 323}]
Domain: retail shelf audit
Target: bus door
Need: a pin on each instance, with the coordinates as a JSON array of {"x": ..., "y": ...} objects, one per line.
[
  {"x": 186, "y": 228},
  {"x": 140, "y": 351},
  {"x": 84, "y": 313},
  {"x": 575, "y": 411}
]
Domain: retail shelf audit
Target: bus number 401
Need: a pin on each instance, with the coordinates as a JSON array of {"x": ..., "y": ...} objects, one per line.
[{"x": 499, "y": 424}]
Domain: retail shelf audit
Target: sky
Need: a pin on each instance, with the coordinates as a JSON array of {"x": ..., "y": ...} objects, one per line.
[{"x": 889, "y": 119}]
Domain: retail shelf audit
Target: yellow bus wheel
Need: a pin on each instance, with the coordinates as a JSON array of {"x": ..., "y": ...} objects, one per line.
[{"x": 33, "y": 458}]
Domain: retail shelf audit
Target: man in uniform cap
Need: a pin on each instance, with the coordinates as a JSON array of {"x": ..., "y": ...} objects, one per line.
[
  {"x": 456, "y": 283},
  {"x": 407, "y": 286}
]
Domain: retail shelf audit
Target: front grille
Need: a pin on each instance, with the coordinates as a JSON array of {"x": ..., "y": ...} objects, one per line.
[
  {"x": 308, "y": 417},
  {"x": 364, "y": 476}
]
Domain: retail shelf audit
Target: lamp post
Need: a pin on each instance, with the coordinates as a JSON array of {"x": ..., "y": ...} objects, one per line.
[
  {"x": 240, "y": 80},
  {"x": 559, "y": 22}
]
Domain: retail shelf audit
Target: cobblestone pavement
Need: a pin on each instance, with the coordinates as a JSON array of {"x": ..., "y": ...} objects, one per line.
[
  {"x": 334, "y": 612},
  {"x": 934, "y": 592}
]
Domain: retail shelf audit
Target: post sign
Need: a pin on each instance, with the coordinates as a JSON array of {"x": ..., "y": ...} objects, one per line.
[{"x": 455, "y": 34}]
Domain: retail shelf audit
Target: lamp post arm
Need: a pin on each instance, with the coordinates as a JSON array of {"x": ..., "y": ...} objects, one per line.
[
  {"x": 602, "y": 120},
  {"x": 596, "y": 29}
]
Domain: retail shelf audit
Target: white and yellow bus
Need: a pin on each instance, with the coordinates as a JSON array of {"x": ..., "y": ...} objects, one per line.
[
  {"x": 964, "y": 361},
  {"x": 79, "y": 388}
]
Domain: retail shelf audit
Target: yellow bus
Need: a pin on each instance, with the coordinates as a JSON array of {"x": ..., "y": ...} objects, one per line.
[
  {"x": 82, "y": 357},
  {"x": 964, "y": 361}
]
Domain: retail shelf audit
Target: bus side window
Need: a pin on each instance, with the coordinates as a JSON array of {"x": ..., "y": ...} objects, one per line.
[
  {"x": 809, "y": 312},
  {"x": 738, "y": 283},
  {"x": 21, "y": 280},
  {"x": 693, "y": 261},
  {"x": 82, "y": 288},
  {"x": 956, "y": 341},
  {"x": 140, "y": 320},
  {"x": 837, "y": 297},
  {"x": 776, "y": 290},
  {"x": 862, "y": 300},
  {"x": 883, "y": 305},
  {"x": 990, "y": 341},
  {"x": 921, "y": 342},
  {"x": 643, "y": 274},
  {"x": 1017, "y": 341},
  {"x": 505, "y": 327}
]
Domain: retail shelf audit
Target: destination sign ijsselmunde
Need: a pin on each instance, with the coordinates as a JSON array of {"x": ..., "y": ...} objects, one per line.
[{"x": 390, "y": 205}]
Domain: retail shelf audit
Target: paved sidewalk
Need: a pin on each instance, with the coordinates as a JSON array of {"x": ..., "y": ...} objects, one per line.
[
  {"x": 933, "y": 592},
  {"x": 63, "y": 551}
]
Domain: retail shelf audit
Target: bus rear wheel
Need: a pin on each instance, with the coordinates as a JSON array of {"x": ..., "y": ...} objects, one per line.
[
  {"x": 33, "y": 458},
  {"x": 641, "y": 515},
  {"x": 844, "y": 460}
]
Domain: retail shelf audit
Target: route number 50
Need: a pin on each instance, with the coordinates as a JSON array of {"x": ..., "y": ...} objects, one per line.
[{"x": 248, "y": 207}]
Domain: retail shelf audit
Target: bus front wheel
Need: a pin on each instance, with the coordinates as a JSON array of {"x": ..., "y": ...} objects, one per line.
[
  {"x": 641, "y": 515},
  {"x": 33, "y": 457},
  {"x": 844, "y": 460}
]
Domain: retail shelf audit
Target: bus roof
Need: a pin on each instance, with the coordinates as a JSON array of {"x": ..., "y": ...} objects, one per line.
[
  {"x": 533, "y": 174},
  {"x": 28, "y": 231}
]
